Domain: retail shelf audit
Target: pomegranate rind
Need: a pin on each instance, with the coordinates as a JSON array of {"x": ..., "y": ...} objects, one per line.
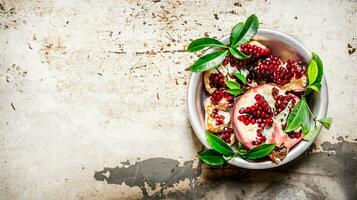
[{"x": 278, "y": 154}]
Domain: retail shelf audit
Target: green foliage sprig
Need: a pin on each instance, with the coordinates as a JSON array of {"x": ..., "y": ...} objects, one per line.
[
  {"x": 301, "y": 114},
  {"x": 221, "y": 152},
  {"x": 242, "y": 33}
]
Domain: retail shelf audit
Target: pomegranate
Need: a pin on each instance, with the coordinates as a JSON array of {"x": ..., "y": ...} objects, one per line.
[
  {"x": 215, "y": 119},
  {"x": 290, "y": 75},
  {"x": 227, "y": 135},
  {"x": 253, "y": 48},
  {"x": 221, "y": 99},
  {"x": 260, "y": 115},
  {"x": 216, "y": 78}
]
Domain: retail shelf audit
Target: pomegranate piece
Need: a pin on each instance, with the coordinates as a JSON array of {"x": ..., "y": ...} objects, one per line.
[
  {"x": 215, "y": 119},
  {"x": 298, "y": 81},
  {"x": 259, "y": 117},
  {"x": 222, "y": 99},
  {"x": 253, "y": 48},
  {"x": 227, "y": 135},
  {"x": 290, "y": 75},
  {"x": 216, "y": 78}
]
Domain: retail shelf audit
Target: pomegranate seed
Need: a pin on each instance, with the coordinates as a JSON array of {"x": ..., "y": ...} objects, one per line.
[{"x": 242, "y": 111}]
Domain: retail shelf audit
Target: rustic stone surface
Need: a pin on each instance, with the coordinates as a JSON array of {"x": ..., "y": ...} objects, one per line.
[{"x": 94, "y": 100}]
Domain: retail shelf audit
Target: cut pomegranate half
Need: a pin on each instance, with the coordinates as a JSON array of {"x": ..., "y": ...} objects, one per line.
[{"x": 260, "y": 115}]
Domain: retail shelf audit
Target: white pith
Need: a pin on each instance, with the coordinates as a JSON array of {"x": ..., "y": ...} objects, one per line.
[{"x": 258, "y": 44}]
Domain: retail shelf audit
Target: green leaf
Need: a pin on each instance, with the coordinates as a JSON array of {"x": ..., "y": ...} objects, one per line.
[
  {"x": 326, "y": 122},
  {"x": 209, "y": 61},
  {"x": 316, "y": 87},
  {"x": 296, "y": 116},
  {"x": 234, "y": 91},
  {"x": 218, "y": 144},
  {"x": 320, "y": 68},
  {"x": 241, "y": 77},
  {"x": 212, "y": 157},
  {"x": 306, "y": 120},
  {"x": 237, "y": 29},
  {"x": 312, "y": 133},
  {"x": 202, "y": 43},
  {"x": 232, "y": 84},
  {"x": 259, "y": 151},
  {"x": 238, "y": 54},
  {"x": 249, "y": 30},
  {"x": 312, "y": 72}
]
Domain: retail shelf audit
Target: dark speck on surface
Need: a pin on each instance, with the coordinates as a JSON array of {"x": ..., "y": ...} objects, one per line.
[
  {"x": 351, "y": 49},
  {"x": 13, "y": 107},
  {"x": 237, "y": 4},
  {"x": 216, "y": 16}
]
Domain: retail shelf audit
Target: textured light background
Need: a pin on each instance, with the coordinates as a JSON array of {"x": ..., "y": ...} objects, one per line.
[{"x": 93, "y": 100}]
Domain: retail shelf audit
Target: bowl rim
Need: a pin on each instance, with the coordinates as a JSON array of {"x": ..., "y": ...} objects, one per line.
[{"x": 299, "y": 148}]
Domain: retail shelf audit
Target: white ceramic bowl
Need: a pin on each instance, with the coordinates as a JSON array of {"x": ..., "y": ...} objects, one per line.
[{"x": 284, "y": 46}]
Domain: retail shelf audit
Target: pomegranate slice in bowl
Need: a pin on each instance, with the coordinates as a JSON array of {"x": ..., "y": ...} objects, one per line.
[
  {"x": 216, "y": 78},
  {"x": 215, "y": 119},
  {"x": 260, "y": 115},
  {"x": 290, "y": 75}
]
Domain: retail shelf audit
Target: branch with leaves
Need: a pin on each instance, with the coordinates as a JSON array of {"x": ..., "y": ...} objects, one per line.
[
  {"x": 221, "y": 153},
  {"x": 241, "y": 34}
]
